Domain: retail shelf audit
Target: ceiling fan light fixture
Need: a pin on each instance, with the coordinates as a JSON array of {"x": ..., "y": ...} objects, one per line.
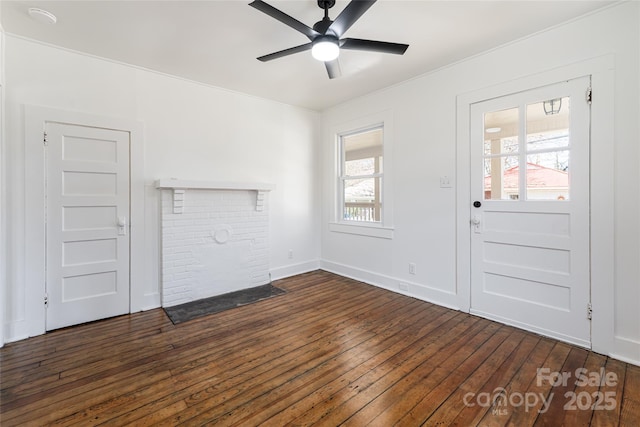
[{"x": 325, "y": 49}]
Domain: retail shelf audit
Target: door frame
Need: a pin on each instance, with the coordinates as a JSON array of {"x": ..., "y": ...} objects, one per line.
[
  {"x": 36, "y": 118},
  {"x": 601, "y": 197}
]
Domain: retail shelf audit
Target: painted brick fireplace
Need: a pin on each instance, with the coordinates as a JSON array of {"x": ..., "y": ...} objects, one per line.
[{"x": 215, "y": 238}]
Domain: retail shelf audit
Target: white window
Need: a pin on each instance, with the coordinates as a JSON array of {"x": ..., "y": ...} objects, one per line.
[{"x": 362, "y": 177}]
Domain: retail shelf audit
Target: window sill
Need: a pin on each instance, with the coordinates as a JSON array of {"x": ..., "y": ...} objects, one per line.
[{"x": 362, "y": 230}]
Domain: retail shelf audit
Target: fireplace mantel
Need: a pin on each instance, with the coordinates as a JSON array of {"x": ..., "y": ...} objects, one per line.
[
  {"x": 179, "y": 187},
  {"x": 183, "y": 184}
]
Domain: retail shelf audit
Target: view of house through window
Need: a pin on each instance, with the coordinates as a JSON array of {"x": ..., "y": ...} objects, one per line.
[
  {"x": 361, "y": 175},
  {"x": 529, "y": 166}
]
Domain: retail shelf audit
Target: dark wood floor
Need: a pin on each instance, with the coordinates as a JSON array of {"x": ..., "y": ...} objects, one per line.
[{"x": 331, "y": 351}]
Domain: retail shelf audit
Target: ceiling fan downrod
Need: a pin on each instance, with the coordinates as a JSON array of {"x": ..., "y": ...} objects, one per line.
[
  {"x": 322, "y": 26},
  {"x": 326, "y": 5}
]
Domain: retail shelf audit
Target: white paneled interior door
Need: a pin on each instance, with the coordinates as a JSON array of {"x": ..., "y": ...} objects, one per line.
[
  {"x": 530, "y": 210},
  {"x": 87, "y": 224}
]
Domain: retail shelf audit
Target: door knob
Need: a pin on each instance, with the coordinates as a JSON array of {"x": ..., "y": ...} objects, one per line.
[
  {"x": 475, "y": 221},
  {"x": 122, "y": 225},
  {"x": 477, "y": 204}
]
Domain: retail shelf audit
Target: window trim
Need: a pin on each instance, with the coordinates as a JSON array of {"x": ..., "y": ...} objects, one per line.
[{"x": 383, "y": 228}]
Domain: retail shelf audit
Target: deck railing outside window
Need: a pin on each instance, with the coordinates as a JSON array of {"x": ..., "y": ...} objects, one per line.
[{"x": 361, "y": 212}]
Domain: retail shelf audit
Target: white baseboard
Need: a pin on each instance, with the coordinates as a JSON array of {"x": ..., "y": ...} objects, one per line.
[
  {"x": 294, "y": 269},
  {"x": 16, "y": 331},
  {"x": 149, "y": 302},
  {"x": 415, "y": 290},
  {"x": 626, "y": 350},
  {"x": 532, "y": 328}
]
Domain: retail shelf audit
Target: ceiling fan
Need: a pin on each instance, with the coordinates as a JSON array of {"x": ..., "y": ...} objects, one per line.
[{"x": 326, "y": 34}]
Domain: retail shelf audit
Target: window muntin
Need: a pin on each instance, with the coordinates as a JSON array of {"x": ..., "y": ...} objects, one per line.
[{"x": 361, "y": 175}]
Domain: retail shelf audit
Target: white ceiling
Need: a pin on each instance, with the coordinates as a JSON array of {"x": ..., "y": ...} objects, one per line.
[{"x": 216, "y": 42}]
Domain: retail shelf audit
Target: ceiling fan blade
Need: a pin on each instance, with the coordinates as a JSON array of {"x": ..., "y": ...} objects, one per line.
[
  {"x": 333, "y": 68},
  {"x": 285, "y": 52},
  {"x": 373, "y": 46},
  {"x": 284, "y": 18},
  {"x": 349, "y": 15}
]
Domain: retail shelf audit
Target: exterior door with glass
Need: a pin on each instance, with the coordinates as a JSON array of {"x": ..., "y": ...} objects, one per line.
[{"x": 530, "y": 210}]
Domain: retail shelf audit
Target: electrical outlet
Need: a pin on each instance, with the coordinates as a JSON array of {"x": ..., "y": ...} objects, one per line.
[
  {"x": 412, "y": 268},
  {"x": 290, "y": 253},
  {"x": 403, "y": 287}
]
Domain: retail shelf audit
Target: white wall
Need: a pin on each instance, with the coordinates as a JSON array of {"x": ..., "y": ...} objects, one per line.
[
  {"x": 191, "y": 131},
  {"x": 424, "y": 148}
]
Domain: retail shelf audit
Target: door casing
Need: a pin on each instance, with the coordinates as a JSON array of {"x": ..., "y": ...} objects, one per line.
[
  {"x": 601, "y": 70},
  {"x": 558, "y": 305},
  {"x": 36, "y": 117}
]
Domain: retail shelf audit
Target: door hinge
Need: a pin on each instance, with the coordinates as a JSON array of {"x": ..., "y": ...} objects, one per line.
[
  {"x": 589, "y": 311},
  {"x": 588, "y": 96},
  {"x": 45, "y": 139},
  {"x": 46, "y": 300}
]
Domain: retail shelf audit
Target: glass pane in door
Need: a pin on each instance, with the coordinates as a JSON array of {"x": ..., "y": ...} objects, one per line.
[
  {"x": 501, "y": 155},
  {"x": 548, "y": 149},
  {"x": 548, "y": 176},
  {"x": 501, "y": 178}
]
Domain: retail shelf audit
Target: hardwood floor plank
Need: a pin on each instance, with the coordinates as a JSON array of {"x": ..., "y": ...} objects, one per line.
[
  {"x": 183, "y": 377},
  {"x": 436, "y": 386},
  {"x": 253, "y": 383},
  {"x": 483, "y": 382},
  {"x": 630, "y": 411},
  {"x": 499, "y": 416},
  {"x": 368, "y": 390},
  {"x": 330, "y": 351},
  {"x": 526, "y": 415},
  {"x": 308, "y": 389},
  {"x": 337, "y": 408},
  {"x": 556, "y": 410},
  {"x": 500, "y": 357},
  {"x": 61, "y": 408},
  {"x": 616, "y": 387},
  {"x": 586, "y": 393},
  {"x": 632, "y": 383},
  {"x": 257, "y": 357}
]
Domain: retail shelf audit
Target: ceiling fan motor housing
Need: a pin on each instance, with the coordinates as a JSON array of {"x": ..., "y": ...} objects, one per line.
[{"x": 323, "y": 26}]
